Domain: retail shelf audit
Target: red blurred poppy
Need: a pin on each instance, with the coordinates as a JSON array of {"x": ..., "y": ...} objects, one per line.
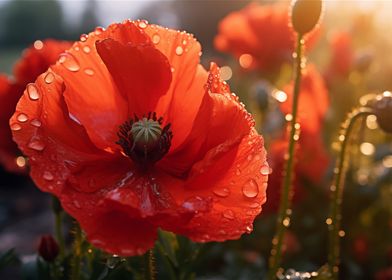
[
  {"x": 34, "y": 61},
  {"x": 342, "y": 54},
  {"x": 135, "y": 134},
  {"x": 260, "y": 36},
  {"x": 311, "y": 156},
  {"x": 313, "y": 100}
]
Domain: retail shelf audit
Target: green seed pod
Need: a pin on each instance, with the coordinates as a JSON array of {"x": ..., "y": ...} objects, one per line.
[{"x": 305, "y": 14}]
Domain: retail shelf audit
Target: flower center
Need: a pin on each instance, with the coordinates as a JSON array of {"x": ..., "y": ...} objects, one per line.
[{"x": 144, "y": 140}]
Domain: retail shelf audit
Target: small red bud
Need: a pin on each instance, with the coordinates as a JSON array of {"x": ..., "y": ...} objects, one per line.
[
  {"x": 383, "y": 111},
  {"x": 305, "y": 14},
  {"x": 48, "y": 248}
]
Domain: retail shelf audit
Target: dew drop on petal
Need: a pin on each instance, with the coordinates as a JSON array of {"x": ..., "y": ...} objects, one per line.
[
  {"x": 86, "y": 49},
  {"x": 83, "y": 37},
  {"x": 48, "y": 176},
  {"x": 221, "y": 192},
  {"x": 228, "y": 214},
  {"x": 36, "y": 145},
  {"x": 99, "y": 30},
  {"x": 36, "y": 123},
  {"x": 69, "y": 62},
  {"x": 89, "y": 71},
  {"x": 249, "y": 229},
  {"x": 32, "y": 92},
  {"x": 143, "y": 24},
  {"x": 172, "y": 69},
  {"x": 22, "y": 118},
  {"x": 77, "y": 204},
  {"x": 250, "y": 189},
  {"x": 49, "y": 78},
  {"x": 265, "y": 170},
  {"x": 156, "y": 38},
  {"x": 179, "y": 50},
  {"x": 254, "y": 205},
  {"x": 16, "y": 127}
]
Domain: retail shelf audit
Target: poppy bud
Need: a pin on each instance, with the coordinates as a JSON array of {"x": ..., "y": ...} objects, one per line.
[
  {"x": 48, "y": 248},
  {"x": 383, "y": 110},
  {"x": 305, "y": 14}
]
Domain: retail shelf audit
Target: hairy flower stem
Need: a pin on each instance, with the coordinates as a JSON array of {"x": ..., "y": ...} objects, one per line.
[
  {"x": 149, "y": 266},
  {"x": 77, "y": 254},
  {"x": 58, "y": 214},
  {"x": 334, "y": 221},
  {"x": 286, "y": 194}
]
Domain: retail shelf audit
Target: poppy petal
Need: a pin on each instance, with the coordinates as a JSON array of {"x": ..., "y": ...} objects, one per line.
[
  {"x": 141, "y": 72},
  {"x": 9, "y": 95},
  {"x": 225, "y": 194},
  {"x": 115, "y": 227},
  {"x": 97, "y": 105},
  {"x": 46, "y": 134},
  {"x": 220, "y": 117}
]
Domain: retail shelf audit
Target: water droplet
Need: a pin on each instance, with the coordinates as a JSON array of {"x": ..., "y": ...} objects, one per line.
[
  {"x": 48, "y": 176},
  {"x": 69, "y": 62},
  {"x": 184, "y": 42},
  {"x": 36, "y": 123},
  {"x": 16, "y": 127},
  {"x": 265, "y": 170},
  {"x": 172, "y": 69},
  {"x": 156, "y": 38},
  {"x": 238, "y": 172},
  {"x": 249, "y": 229},
  {"x": 250, "y": 157},
  {"x": 89, "y": 71},
  {"x": 20, "y": 161},
  {"x": 75, "y": 119},
  {"x": 254, "y": 205},
  {"x": 83, "y": 37},
  {"x": 196, "y": 204},
  {"x": 22, "y": 118},
  {"x": 38, "y": 45},
  {"x": 33, "y": 92},
  {"x": 222, "y": 192},
  {"x": 143, "y": 24},
  {"x": 250, "y": 189},
  {"x": 86, "y": 49},
  {"x": 36, "y": 145},
  {"x": 77, "y": 204},
  {"x": 99, "y": 30},
  {"x": 228, "y": 214},
  {"x": 49, "y": 78},
  {"x": 179, "y": 50}
]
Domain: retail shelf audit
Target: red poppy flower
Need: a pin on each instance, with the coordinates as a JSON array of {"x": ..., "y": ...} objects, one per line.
[
  {"x": 260, "y": 36},
  {"x": 135, "y": 134},
  {"x": 342, "y": 54},
  {"x": 311, "y": 156},
  {"x": 34, "y": 61},
  {"x": 313, "y": 100}
]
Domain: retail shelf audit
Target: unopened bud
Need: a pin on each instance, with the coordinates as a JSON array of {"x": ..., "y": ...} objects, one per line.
[
  {"x": 48, "y": 248},
  {"x": 305, "y": 14},
  {"x": 383, "y": 111}
]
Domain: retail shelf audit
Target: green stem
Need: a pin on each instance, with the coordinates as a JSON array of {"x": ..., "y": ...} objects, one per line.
[
  {"x": 149, "y": 267},
  {"x": 77, "y": 254},
  {"x": 286, "y": 194},
  {"x": 58, "y": 226},
  {"x": 334, "y": 221}
]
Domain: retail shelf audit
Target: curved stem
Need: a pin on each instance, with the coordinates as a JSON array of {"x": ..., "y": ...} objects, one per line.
[
  {"x": 334, "y": 221},
  {"x": 286, "y": 194},
  {"x": 149, "y": 267}
]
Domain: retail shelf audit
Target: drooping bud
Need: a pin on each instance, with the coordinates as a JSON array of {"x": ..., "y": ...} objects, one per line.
[
  {"x": 383, "y": 110},
  {"x": 48, "y": 248},
  {"x": 305, "y": 14}
]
